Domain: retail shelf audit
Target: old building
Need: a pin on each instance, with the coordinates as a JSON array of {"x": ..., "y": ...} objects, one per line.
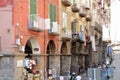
[
  {"x": 75, "y": 23},
  {"x": 30, "y": 31}
]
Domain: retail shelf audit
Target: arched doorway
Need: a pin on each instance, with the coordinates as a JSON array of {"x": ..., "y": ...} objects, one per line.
[
  {"x": 65, "y": 60},
  {"x": 75, "y": 47},
  {"x": 31, "y": 61},
  {"x": 51, "y": 59},
  {"x": 32, "y": 46}
]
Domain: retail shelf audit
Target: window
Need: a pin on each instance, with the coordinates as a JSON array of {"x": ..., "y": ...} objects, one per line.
[
  {"x": 73, "y": 27},
  {"x": 52, "y": 13},
  {"x": 33, "y": 9},
  {"x": 64, "y": 19}
]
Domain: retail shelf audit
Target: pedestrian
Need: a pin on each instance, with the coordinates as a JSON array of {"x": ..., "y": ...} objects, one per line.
[
  {"x": 78, "y": 77},
  {"x": 81, "y": 69},
  {"x": 72, "y": 76}
]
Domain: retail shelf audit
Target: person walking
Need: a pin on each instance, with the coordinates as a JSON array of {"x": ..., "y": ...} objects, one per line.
[{"x": 78, "y": 77}]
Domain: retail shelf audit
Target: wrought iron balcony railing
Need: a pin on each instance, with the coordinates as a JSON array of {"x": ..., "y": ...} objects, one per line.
[
  {"x": 66, "y": 34},
  {"x": 35, "y": 23},
  {"x": 54, "y": 29}
]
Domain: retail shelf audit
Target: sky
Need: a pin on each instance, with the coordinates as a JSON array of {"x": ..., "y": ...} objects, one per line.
[{"x": 115, "y": 21}]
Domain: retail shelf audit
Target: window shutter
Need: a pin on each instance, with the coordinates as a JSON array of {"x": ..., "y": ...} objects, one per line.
[
  {"x": 52, "y": 14},
  {"x": 73, "y": 25},
  {"x": 33, "y": 5}
]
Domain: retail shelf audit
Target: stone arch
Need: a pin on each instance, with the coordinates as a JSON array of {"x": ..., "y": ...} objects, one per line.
[
  {"x": 51, "y": 58},
  {"x": 51, "y": 48},
  {"x": 31, "y": 60},
  {"x": 32, "y": 46},
  {"x": 65, "y": 60},
  {"x": 64, "y": 48}
]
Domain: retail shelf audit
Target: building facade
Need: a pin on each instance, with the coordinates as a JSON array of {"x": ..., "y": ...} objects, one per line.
[{"x": 49, "y": 37}]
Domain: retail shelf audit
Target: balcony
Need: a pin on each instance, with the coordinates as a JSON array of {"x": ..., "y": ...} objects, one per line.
[
  {"x": 35, "y": 23},
  {"x": 82, "y": 11},
  {"x": 89, "y": 16},
  {"x": 54, "y": 29},
  {"x": 66, "y": 3},
  {"x": 66, "y": 35},
  {"x": 75, "y": 8}
]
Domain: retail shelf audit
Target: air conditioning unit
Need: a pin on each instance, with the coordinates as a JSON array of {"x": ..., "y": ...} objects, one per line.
[
  {"x": 35, "y": 24},
  {"x": 18, "y": 41},
  {"x": 22, "y": 48}
]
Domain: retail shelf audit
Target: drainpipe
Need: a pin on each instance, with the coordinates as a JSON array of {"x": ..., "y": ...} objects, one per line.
[{"x": 44, "y": 45}]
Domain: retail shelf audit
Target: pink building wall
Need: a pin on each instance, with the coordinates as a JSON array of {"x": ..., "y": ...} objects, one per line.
[{"x": 6, "y": 29}]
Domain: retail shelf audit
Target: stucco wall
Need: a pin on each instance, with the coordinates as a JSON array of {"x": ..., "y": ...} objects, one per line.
[{"x": 6, "y": 29}]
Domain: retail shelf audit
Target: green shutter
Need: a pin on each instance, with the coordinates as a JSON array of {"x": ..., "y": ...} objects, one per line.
[
  {"x": 52, "y": 13},
  {"x": 50, "y": 9},
  {"x": 33, "y": 7}
]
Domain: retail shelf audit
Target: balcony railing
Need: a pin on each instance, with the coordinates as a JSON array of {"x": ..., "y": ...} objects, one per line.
[
  {"x": 35, "y": 23},
  {"x": 66, "y": 34},
  {"x": 66, "y": 3},
  {"x": 75, "y": 8},
  {"x": 82, "y": 11},
  {"x": 54, "y": 29}
]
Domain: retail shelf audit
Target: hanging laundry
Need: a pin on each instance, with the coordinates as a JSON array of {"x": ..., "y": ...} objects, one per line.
[
  {"x": 109, "y": 50},
  {"x": 81, "y": 36},
  {"x": 93, "y": 43},
  {"x": 87, "y": 38},
  {"x": 26, "y": 62},
  {"x": 84, "y": 41}
]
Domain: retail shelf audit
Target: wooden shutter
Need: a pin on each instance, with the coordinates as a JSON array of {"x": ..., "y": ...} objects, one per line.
[
  {"x": 33, "y": 6},
  {"x": 52, "y": 13}
]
